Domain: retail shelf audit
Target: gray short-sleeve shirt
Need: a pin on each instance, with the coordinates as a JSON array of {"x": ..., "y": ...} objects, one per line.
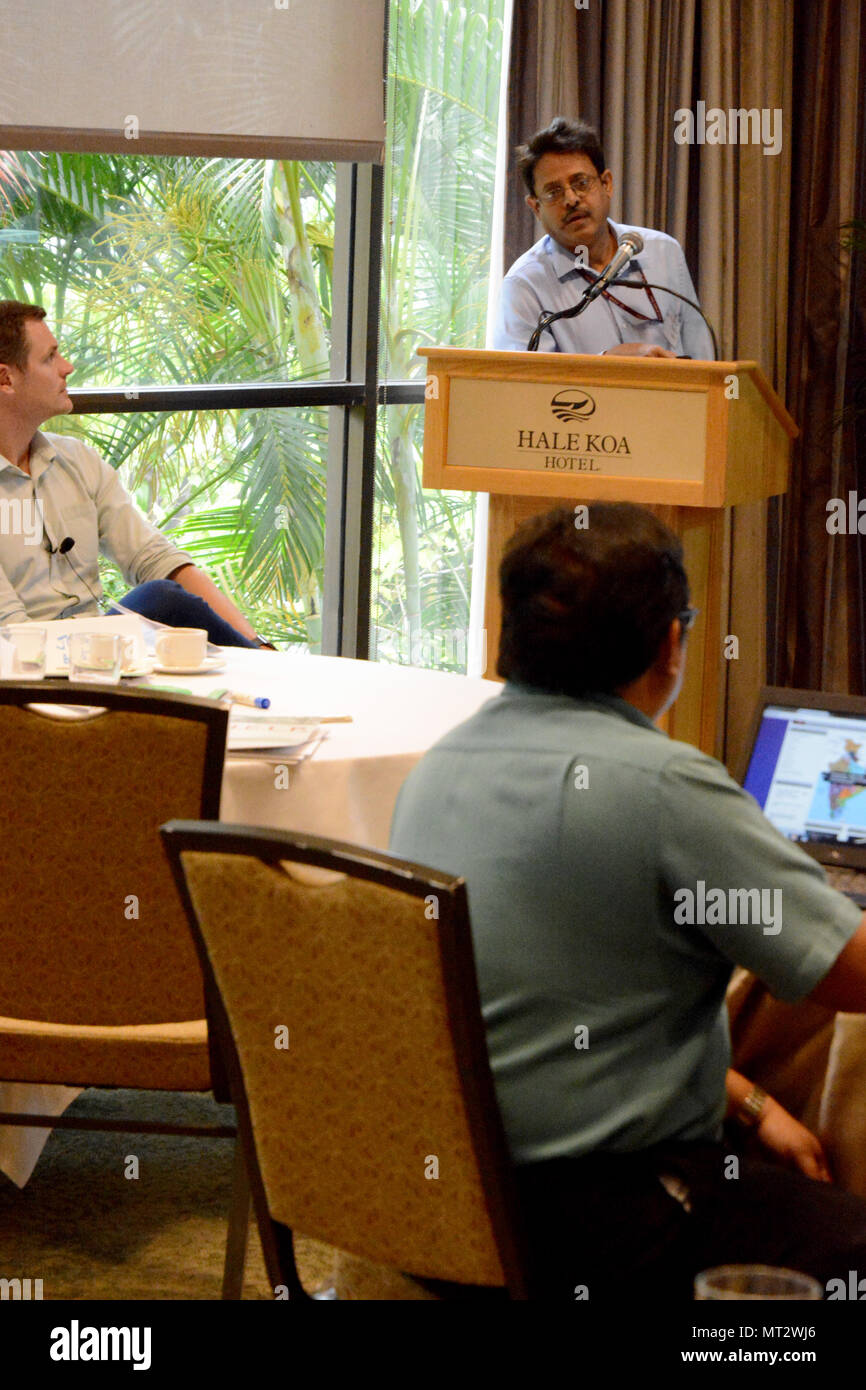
[{"x": 615, "y": 877}]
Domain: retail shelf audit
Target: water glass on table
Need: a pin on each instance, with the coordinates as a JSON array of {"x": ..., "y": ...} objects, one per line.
[
  {"x": 755, "y": 1282},
  {"x": 96, "y": 656},
  {"x": 22, "y": 652}
]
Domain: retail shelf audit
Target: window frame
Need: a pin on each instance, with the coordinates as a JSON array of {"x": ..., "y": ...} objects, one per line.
[{"x": 353, "y": 394}]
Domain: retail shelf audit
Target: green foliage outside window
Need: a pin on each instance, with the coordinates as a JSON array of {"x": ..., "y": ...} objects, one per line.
[
  {"x": 158, "y": 271},
  {"x": 440, "y": 161}
]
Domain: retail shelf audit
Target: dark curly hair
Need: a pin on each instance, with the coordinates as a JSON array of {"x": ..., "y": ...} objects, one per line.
[
  {"x": 586, "y": 610},
  {"x": 560, "y": 137}
]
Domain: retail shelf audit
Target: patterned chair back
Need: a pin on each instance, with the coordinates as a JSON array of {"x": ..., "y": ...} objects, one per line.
[
  {"x": 353, "y": 1022},
  {"x": 91, "y": 928}
]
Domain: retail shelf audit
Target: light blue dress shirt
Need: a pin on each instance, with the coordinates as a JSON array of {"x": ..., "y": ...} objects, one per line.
[{"x": 546, "y": 277}]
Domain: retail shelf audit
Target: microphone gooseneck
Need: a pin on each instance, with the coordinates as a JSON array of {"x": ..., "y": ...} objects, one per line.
[{"x": 630, "y": 246}]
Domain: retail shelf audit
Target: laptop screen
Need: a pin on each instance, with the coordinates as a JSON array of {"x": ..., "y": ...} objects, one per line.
[{"x": 807, "y": 771}]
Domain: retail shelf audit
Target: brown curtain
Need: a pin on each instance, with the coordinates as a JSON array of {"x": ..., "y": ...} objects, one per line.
[
  {"x": 854, "y": 390},
  {"x": 544, "y": 36},
  {"x": 751, "y": 244},
  {"x": 819, "y": 636}
]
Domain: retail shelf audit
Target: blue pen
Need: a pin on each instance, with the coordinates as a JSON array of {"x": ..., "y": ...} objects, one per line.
[{"x": 254, "y": 701}]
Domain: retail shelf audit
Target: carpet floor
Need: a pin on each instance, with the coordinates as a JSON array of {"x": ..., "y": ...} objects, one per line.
[{"x": 90, "y": 1232}]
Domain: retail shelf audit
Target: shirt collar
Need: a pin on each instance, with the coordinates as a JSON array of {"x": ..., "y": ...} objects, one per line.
[
  {"x": 597, "y": 700},
  {"x": 8, "y": 464},
  {"x": 41, "y": 448}
]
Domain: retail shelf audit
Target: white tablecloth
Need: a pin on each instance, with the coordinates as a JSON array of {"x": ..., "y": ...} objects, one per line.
[
  {"x": 346, "y": 790},
  {"x": 349, "y": 787}
]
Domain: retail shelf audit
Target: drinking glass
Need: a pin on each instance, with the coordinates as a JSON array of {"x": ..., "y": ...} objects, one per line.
[
  {"x": 755, "y": 1281},
  {"x": 95, "y": 656},
  {"x": 22, "y": 652}
]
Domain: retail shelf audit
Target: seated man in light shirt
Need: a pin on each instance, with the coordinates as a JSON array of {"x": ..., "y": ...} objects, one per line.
[
  {"x": 569, "y": 190},
  {"x": 55, "y": 489},
  {"x": 577, "y": 824}
]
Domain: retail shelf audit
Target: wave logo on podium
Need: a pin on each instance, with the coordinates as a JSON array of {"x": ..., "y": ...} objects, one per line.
[{"x": 572, "y": 404}]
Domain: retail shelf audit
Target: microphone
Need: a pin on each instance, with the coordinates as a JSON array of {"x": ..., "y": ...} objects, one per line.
[
  {"x": 63, "y": 549},
  {"x": 630, "y": 246},
  {"x": 65, "y": 545}
]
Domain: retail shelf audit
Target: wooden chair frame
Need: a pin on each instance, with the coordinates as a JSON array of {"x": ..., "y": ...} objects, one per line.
[
  {"x": 462, "y": 1002},
  {"x": 215, "y": 719}
]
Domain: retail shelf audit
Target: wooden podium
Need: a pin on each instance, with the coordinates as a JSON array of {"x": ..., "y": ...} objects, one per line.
[{"x": 689, "y": 439}]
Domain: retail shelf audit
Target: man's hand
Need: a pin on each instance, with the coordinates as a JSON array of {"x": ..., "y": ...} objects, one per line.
[
  {"x": 637, "y": 350},
  {"x": 779, "y": 1133},
  {"x": 792, "y": 1143}
]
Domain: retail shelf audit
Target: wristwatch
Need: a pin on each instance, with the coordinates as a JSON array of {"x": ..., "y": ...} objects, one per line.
[
  {"x": 260, "y": 642},
  {"x": 752, "y": 1108}
]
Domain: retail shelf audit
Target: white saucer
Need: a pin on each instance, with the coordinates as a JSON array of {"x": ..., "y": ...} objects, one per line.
[
  {"x": 62, "y": 672},
  {"x": 210, "y": 663}
]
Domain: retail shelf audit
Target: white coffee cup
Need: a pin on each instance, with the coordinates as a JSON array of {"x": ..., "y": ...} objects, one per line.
[
  {"x": 182, "y": 646},
  {"x": 22, "y": 652}
]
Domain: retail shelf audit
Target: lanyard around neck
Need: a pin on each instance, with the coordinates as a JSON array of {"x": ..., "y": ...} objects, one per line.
[{"x": 636, "y": 313}]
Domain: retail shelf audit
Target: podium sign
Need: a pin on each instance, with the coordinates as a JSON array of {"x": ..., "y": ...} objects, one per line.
[
  {"x": 611, "y": 431},
  {"x": 649, "y": 429},
  {"x": 689, "y": 439}
]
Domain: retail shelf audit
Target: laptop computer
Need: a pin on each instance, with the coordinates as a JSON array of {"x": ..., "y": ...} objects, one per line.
[{"x": 805, "y": 765}]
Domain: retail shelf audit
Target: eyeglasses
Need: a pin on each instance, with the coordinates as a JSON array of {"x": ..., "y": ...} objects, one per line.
[
  {"x": 581, "y": 183},
  {"x": 687, "y": 619}
]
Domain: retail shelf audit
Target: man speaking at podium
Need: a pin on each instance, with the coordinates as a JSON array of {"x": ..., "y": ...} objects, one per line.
[{"x": 569, "y": 190}]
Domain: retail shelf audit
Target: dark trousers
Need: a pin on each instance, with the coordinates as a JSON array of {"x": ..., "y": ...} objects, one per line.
[
  {"x": 166, "y": 601},
  {"x": 606, "y": 1223}
]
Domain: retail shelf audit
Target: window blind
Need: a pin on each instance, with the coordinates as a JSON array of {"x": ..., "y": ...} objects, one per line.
[{"x": 281, "y": 79}]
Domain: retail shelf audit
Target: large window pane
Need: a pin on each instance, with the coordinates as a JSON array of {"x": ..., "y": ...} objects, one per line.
[
  {"x": 160, "y": 270},
  {"x": 242, "y": 490},
  {"x": 444, "y": 73},
  {"x": 441, "y": 547}
]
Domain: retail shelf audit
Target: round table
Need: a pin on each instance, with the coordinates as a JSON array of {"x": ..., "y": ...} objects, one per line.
[{"x": 346, "y": 790}]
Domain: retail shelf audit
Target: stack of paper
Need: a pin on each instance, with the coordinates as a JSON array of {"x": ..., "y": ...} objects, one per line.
[{"x": 271, "y": 737}]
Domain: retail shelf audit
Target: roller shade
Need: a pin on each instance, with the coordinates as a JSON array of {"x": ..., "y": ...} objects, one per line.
[{"x": 277, "y": 78}]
